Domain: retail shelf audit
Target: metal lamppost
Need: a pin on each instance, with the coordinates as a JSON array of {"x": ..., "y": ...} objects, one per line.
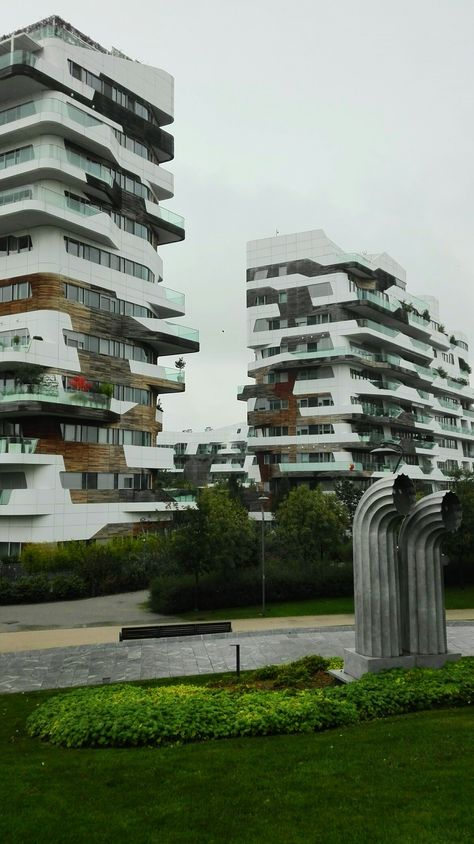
[
  {"x": 388, "y": 447},
  {"x": 263, "y": 499}
]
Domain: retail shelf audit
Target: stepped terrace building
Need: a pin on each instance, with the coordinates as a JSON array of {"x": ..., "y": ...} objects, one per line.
[
  {"x": 85, "y": 318},
  {"x": 213, "y": 455},
  {"x": 352, "y": 373}
]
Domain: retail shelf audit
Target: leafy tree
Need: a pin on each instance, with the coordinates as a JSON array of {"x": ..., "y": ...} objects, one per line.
[
  {"x": 216, "y": 536},
  {"x": 311, "y": 525},
  {"x": 459, "y": 546},
  {"x": 349, "y": 494}
]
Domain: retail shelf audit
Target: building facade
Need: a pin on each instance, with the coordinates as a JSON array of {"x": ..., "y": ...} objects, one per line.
[
  {"x": 216, "y": 454},
  {"x": 352, "y": 373},
  {"x": 84, "y": 314}
]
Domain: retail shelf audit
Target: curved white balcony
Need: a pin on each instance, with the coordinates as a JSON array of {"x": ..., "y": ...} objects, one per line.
[
  {"x": 172, "y": 379},
  {"x": 333, "y": 466},
  {"x": 57, "y": 116},
  {"x": 167, "y": 338},
  {"x": 149, "y": 457},
  {"x": 35, "y": 205}
]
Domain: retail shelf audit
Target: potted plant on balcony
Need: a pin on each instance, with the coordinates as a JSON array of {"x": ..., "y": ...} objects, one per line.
[
  {"x": 106, "y": 392},
  {"x": 81, "y": 387},
  {"x": 180, "y": 364},
  {"x": 16, "y": 342}
]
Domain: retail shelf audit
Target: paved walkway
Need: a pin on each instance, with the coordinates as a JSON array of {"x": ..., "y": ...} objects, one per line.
[
  {"x": 71, "y": 643},
  {"x": 187, "y": 655}
]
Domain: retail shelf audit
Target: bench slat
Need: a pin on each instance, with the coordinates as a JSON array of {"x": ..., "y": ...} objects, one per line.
[{"x": 157, "y": 631}]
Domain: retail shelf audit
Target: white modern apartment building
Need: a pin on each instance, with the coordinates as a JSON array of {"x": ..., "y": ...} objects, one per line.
[
  {"x": 348, "y": 361},
  {"x": 84, "y": 314},
  {"x": 213, "y": 455}
]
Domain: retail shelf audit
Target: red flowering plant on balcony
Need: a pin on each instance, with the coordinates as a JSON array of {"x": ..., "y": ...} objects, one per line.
[{"x": 80, "y": 383}]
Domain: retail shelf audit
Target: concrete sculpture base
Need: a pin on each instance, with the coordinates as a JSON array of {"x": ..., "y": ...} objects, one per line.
[{"x": 355, "y": 665}]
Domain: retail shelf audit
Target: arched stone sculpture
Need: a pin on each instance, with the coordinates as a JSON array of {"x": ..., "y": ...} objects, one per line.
[
  {"x": 421, "y": 575},
  {"x": 398, "y": 591},
  {"x": 376, "y": 579}
]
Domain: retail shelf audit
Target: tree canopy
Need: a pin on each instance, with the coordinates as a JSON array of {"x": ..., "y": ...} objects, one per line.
[
  {"x": 459, "y": 546},
  {"x": 311, "y": 525}
]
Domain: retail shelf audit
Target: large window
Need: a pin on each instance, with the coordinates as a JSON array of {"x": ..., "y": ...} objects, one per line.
[
  {"x": 16, "y": 156},
  {"x": 108, "y": 436},
  {"x": 105, "y": 346},
  {"x": 127, "y": 224},
  {"x": 105, "y": 480},
  {"x": 114, "y": 92},
  {"x": 138, "y": 147},
  {"x": 18, "y": 290},
  {"x": 11, "y": 245},
  {"x": 107, "y": 259},
  {"x": 104, "y": 302}
]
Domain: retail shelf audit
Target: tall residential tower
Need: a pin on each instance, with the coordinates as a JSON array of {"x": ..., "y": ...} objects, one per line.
[
  {"x": 83, "y": 310},
  {"x": 351, "y": 372}
]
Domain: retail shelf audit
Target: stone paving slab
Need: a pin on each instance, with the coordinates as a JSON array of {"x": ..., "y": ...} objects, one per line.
[{"x": 188, "y": 655}]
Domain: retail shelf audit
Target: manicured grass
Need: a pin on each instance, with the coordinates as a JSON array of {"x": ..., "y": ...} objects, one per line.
[
  {"x": 456, "y": 599},
  {"x": 399, "y": 780},
  {"x": 316, "y": 606}
]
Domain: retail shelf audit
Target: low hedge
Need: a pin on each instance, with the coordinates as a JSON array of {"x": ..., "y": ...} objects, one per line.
[
  {"x": 82, "y": 569},
  {"x": 132, "y": 715},
  {"x": 172, "y": 594},
  {"x": 34, "y": 589}
]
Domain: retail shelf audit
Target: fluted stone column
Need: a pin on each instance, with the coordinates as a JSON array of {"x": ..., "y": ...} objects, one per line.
[
  {"x": 378, "y": 638},
  {"x": 376, "y": 587},
  {"x": 421, "y": 575}
]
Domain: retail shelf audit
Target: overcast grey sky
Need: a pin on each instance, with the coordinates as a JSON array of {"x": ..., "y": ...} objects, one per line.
[{"x": 355, "y": 116}]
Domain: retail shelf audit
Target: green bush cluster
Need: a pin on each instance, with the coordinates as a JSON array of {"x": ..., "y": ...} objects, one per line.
[
  {"x": 175, "y": 593},
  {"x": 132, "y": 715},
  {"x": 39, "y": 587},
  {"x": 81, "y": 569}
]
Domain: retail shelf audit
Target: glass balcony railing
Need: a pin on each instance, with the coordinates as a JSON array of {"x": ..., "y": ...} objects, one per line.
[
  {"x": 49, "y": 197},
  {"x": 183, "y": 331},
  {"x": 414, "y": 319},
  {"x": 392, "y": 411},
  {"x": 446, "y": 427},
  {"x": 7, "y": 344},
  {"x": 169, "y": 216},
  {"x": 17, "y": 445},
  {"x": 172, "y": 295},
  {"x": 59, "y": 154},
  {"x": 378, "y": 298},
  {"x": 469, "y": 413},
  {"x": 50, "y": 105},
  {"x": 424, "y": 371},
  {"x": 423, "y": 394},
  {"x": 176, "y": 375},
  {"x": 17, "y": 57},
  {"x": 446, "y": 402},
  {"x": 424, "y": 420},
  {"x": 34, "y": 392},
  {"x": 419, "y": 345},
  {"x": 333, "y": 466},
  {"x": 423, "y": 444},
  {"x": 376, "y": 326},
  {"x": 5, "y": 495}
]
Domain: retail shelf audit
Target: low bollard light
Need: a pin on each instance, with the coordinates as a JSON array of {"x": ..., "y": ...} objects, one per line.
[{"x": 237, "y": 659}]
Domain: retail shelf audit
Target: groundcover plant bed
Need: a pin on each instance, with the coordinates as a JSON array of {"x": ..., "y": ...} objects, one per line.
[{"x": 132, "y": 715}]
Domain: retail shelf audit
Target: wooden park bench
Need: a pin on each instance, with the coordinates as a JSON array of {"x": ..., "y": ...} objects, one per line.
[{"x": 158, "y": 631}]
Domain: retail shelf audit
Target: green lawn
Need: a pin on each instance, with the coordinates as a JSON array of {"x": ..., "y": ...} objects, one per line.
[
  {"x": 400, "y": 780},
  {"x": 456, "y": 599}
]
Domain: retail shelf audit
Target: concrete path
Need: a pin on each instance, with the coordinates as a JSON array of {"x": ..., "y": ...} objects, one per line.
[
  {"x": 72, "y": 643},
  {"x": 186, "y": 655},
  {"x": 115, "y": 610}
]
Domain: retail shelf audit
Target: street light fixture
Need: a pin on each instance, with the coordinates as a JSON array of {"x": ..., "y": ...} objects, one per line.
[
  {"x": 263, "y": 499},
  {"x": 390, "y": 447}
]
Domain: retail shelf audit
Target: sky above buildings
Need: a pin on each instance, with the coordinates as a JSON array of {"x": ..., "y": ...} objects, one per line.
[{"x": 355, "y": 116}]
